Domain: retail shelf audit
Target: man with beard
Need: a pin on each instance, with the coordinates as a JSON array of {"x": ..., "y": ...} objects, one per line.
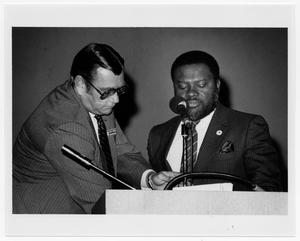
[{"x": 228, "y": 141}]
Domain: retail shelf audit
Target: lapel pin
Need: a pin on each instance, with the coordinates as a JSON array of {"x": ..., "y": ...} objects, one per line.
[
  {"x": 111, "y": 132},
  {"x": 219, "y": 132}
]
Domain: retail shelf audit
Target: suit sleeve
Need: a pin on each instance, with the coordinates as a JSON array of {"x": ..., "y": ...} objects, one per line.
[
  {"x": 85, "y": 186},
  {"x": 131, "y": 163},
  {"x": 153, "y": 143},
  {"x": 260, "y": 157}
]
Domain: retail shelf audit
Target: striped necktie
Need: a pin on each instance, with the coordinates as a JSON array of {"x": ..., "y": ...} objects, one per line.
[
  {"x": 191, "y": 151},
  {"x": 108, "y": 162}
]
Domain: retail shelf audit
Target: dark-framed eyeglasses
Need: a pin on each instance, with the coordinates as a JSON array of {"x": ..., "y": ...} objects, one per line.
[{"x": 109, "y": 92}]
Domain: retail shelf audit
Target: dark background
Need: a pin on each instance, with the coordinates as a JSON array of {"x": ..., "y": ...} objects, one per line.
[{"x": 253, "y": 65}]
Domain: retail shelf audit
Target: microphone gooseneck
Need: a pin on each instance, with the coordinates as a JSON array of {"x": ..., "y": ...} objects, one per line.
[{"x": 87, "y": 163}]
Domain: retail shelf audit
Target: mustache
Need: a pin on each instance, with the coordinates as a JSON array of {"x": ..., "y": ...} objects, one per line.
[{"x": 193, "y": 98}]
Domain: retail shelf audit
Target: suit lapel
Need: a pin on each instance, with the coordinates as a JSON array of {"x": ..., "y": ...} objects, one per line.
[
  {"x": 85, "y": 117},
  {"x": 216, "y": 131}
]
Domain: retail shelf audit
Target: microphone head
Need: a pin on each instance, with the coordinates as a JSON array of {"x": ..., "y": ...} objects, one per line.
[{"x": 178, "y": 105}]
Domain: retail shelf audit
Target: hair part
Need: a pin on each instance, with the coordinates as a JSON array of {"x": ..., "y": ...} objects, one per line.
[{"x": 196, "y": 57}]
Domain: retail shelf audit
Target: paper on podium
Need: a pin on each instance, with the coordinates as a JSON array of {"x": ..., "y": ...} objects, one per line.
[{"x": 208, "y": 187}]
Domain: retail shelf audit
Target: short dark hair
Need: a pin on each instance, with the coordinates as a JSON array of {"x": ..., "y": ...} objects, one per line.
[
  {"x": 96, "y": 55},
  {"x": 196, "y": 57}
]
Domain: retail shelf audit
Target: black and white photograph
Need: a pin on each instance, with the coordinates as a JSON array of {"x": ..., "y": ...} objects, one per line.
[{"x": 166, "y": 122}]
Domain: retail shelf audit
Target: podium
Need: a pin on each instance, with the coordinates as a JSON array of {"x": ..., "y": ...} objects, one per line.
[{"x": 195, "y": 202}]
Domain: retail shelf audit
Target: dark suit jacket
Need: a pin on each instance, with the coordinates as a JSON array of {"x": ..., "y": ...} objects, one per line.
[
  {"x": 251, "y": 155},
  {"x": 45, "y": 180}
]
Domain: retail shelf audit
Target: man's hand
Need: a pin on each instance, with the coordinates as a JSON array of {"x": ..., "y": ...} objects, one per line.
[
  {"x": 158, "y": 181},
  {"x": 258, "y": 189}
]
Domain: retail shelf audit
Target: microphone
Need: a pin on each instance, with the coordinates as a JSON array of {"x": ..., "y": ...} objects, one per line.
[
  {"x": 87, "y": 163},
  {"x": 178, "y": 105}
]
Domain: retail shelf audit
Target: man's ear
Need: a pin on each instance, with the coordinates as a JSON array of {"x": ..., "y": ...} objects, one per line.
[{"x": 79, "y": 85}]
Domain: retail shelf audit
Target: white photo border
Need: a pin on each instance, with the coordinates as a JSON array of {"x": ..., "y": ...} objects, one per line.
[{"x": 204, "y": 15}]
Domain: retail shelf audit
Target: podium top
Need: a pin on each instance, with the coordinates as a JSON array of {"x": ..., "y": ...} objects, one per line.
[{"x": 196, "y": 202}]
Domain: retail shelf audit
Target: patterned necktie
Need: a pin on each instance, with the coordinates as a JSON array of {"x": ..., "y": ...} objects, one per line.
[
  {"x": 191, "y": 151},
  {"x": 108, "y": 163}
]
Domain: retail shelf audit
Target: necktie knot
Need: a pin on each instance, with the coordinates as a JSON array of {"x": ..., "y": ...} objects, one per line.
[
  {"x": 100, "y": 123},
  {"x": 195, "y": 123},
  {"x": 98, "y": 118},
  {"x": 193, "y": 126}
]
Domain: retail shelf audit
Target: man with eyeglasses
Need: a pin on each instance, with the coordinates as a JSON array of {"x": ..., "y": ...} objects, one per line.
[{"x": 76, "y": 114}]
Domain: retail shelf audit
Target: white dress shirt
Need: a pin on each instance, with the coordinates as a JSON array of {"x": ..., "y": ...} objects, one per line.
[
  {"x": 175, "y": 152},
  {"x": 95, "y": 124}
]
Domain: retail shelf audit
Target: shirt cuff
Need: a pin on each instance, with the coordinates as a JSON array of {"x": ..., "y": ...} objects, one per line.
[{"x": 144, "y": 181}]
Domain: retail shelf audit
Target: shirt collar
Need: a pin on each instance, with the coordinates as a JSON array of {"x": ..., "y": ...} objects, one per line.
[{"x": 92, "y": 115}]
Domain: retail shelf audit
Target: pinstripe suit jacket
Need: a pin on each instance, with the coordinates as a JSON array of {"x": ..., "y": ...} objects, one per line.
[
  {"x": 251, "y": 155},
  {"x": 45, "y": 180}
]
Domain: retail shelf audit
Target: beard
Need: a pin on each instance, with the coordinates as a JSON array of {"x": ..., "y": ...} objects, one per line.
[{"x": 203, "y": 109}]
